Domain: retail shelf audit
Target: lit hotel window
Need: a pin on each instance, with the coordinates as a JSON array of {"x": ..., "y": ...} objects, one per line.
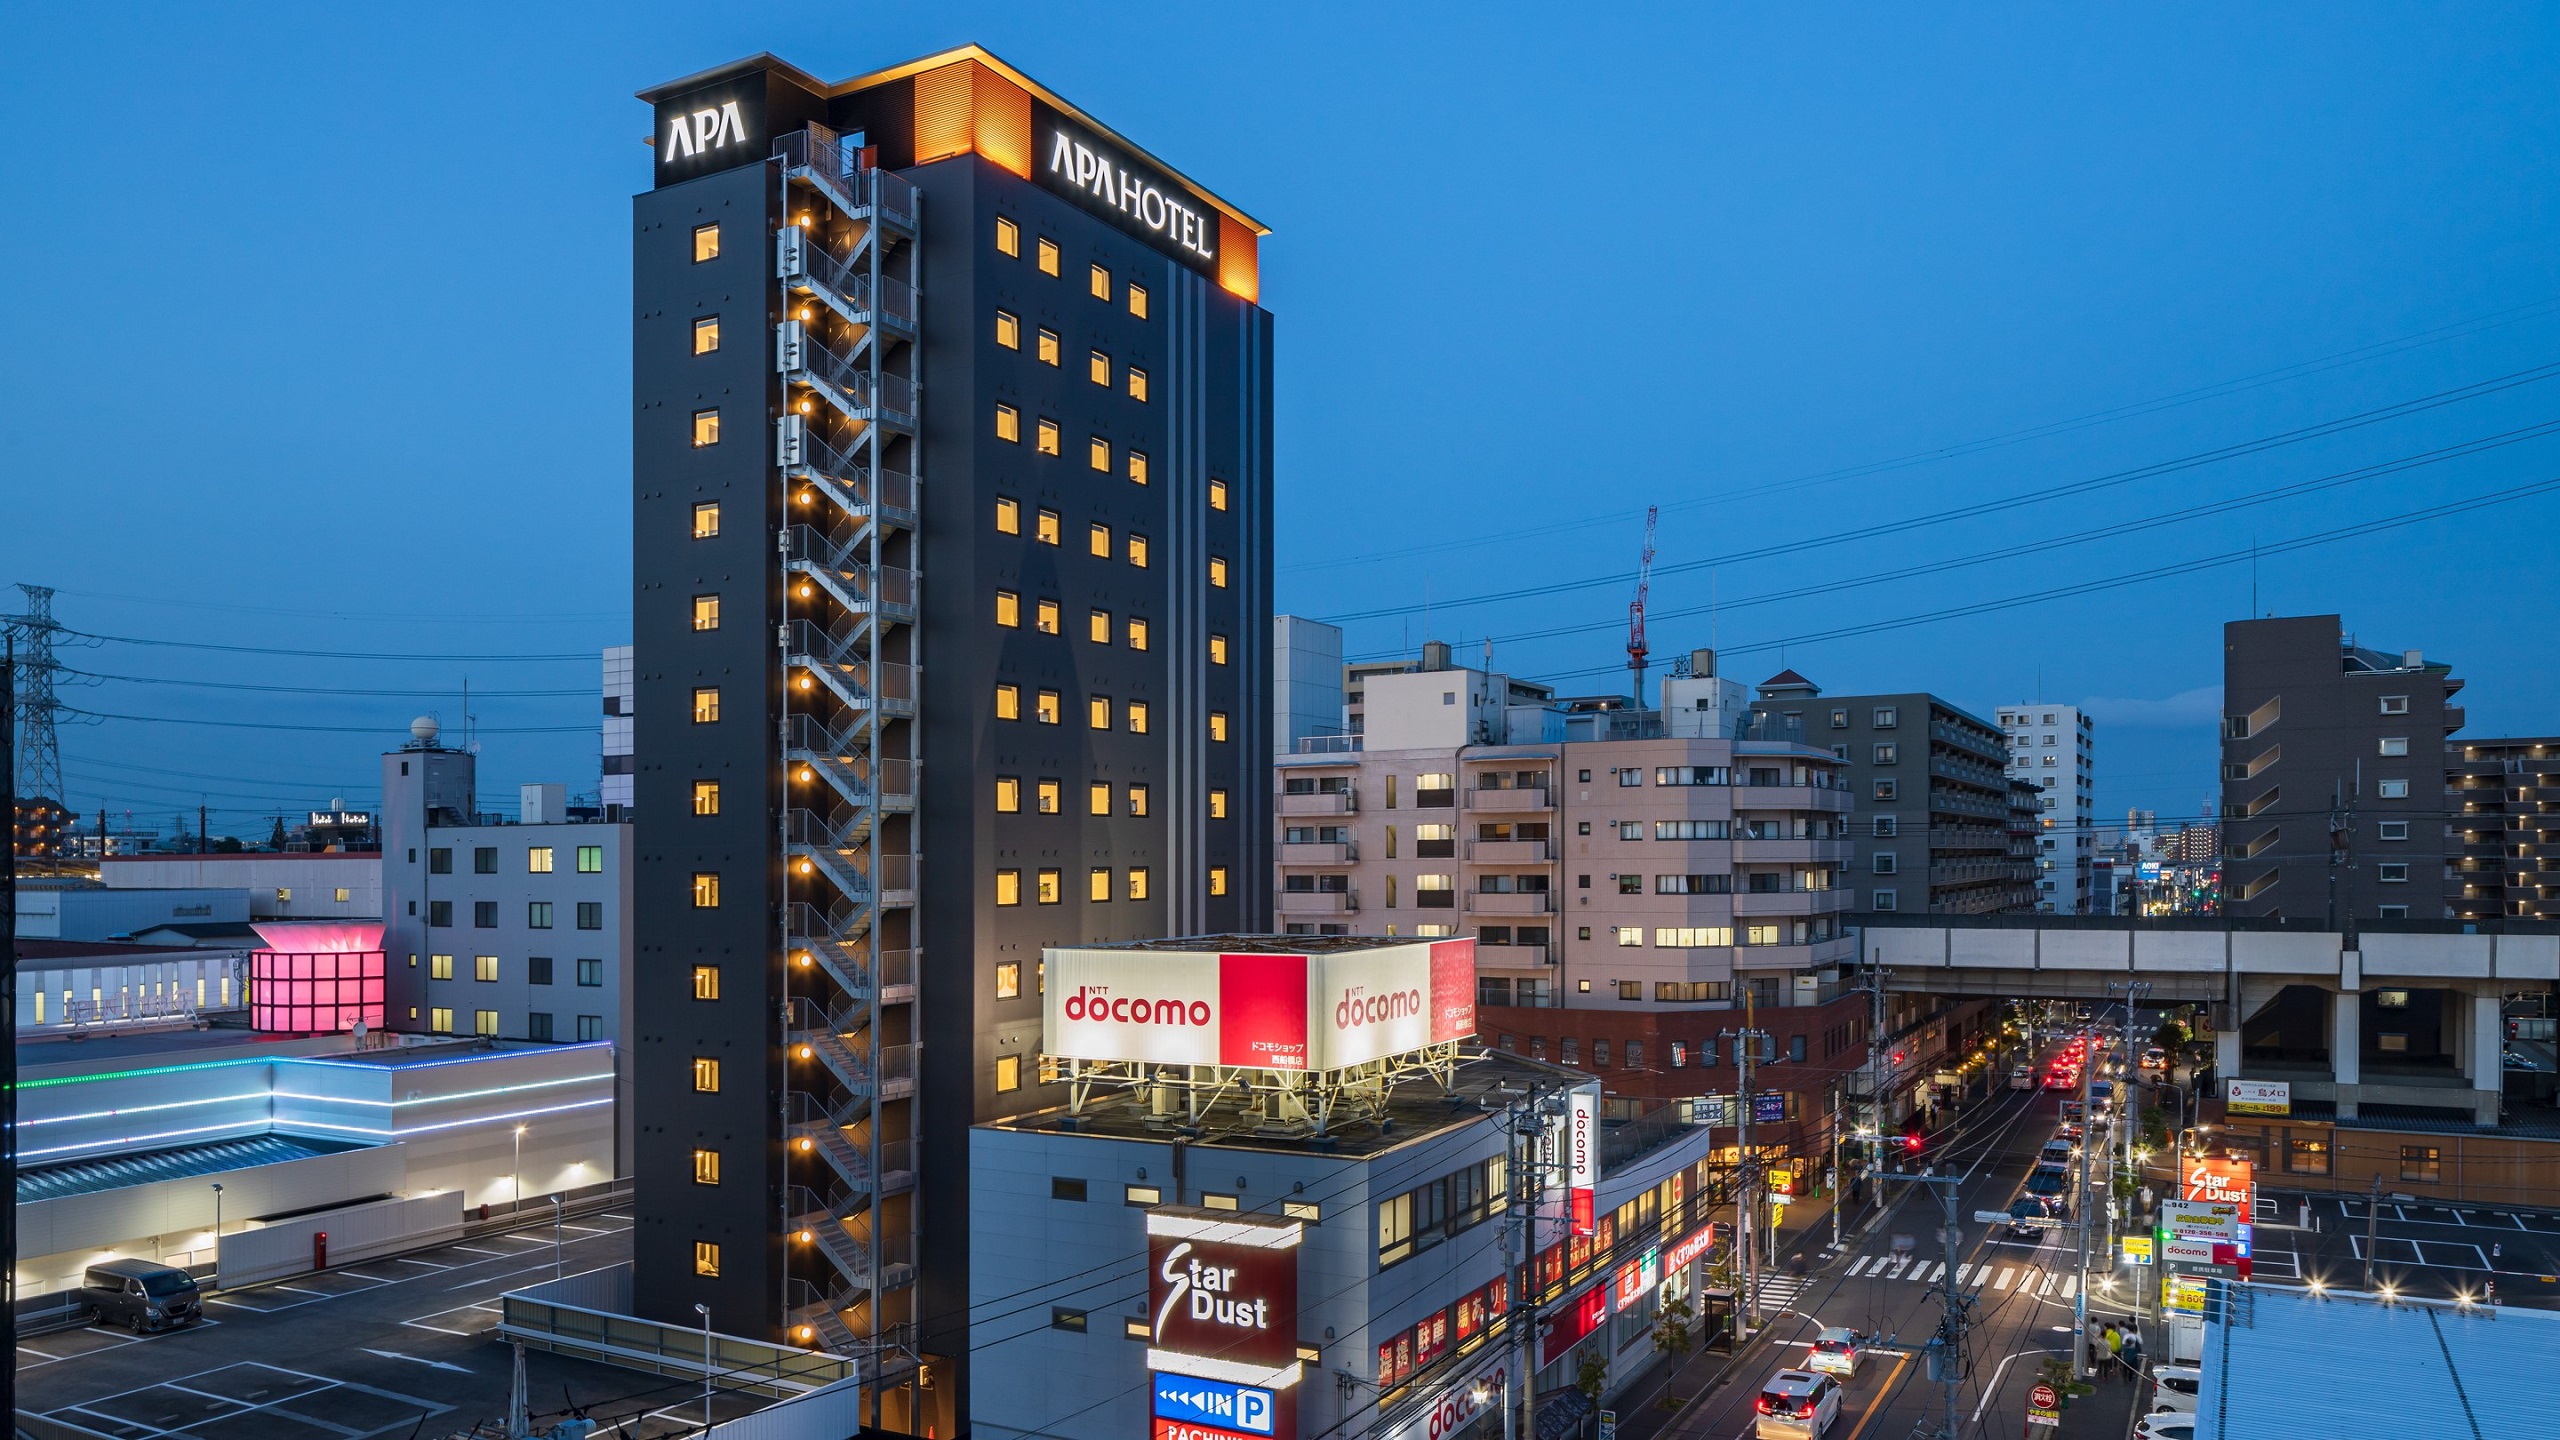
[
  {"x": 1098, "y": 542},
  {"x": 1098, "y": 712},
  {"x": 537, "y": 860},
  {"x": 1138, "y": 301},
  {"x": 706, "y": 521},
  {"x": 1217, "y": 649},
  {"x": 439, "y": 967},
  {"x": 1098, "y": 628},
  {"x": 706, "y": 1258},
  {"x": 1218, "y": 725},
  {"x": 1048, "y": 347},
  {"x": 1009, "y": 980},
  {"x": 1138, "y": 801},
  {"x": 1097, "y": 798},
  {"x": 706, "y": 797},
  {"x": 1097, "y": 885},
  {"x": 1049, "y": 888},
  {"x": 1217, "y": 494},
  {"x": 1099, "y": 367},
  {"x": 706, "y": 243},
  {"x": 1137, "y": 882},
  {"x": 706, "y": 1074},
  {"x": 706, "y": 982},
  {"x": 706, "y": 1167},
  {"x": 1008, "y": 795},
  {"x": 440, "y": 1020},
  {"x": 1009, "y": 1078},
  {"x": 1008, "y": 610},
  {"x": 1137, "y": 467},
  {"x": 1008, "y": 516},
  {"x": 706, "y": 705},
  {"x": 1045, "y": 707},
  {"x": 1217, "y": 879},
  {"x": 706, "y": 612},
  {"x": 1008, "y": 702},
  {"x": 1047, "y": 528},
  {"x": 1218, "y": 572},
  {"x": 1008, "y": 331},
  {"x": 1048, "y": 256},
  {"x": 706, "y": 428},
  {"x": 484, "y": 968},
  {"x": 1137, "y": 717},
  {"x": 1217, "y": 804},
  {"x": 1137, "y": 384},
  {"x": 1138, "y": 551},
  {"x": 1008, "y": 424},
  {"x": 1008, "y": 238},
  {"x": 1047, "y": 440},
  {"x": 1047, "y": 797},
  {"x": 1044, "y": 617},
  {"x": 1008, "y": 887},
  {"x": 706, "y": 890},
  {"x": 706, "y": 334},
  {"x": 1101, "y": 283},
  {"x": 1137, "y": 634}
]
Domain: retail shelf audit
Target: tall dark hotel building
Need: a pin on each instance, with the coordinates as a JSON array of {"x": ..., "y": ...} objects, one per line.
[{"x": 952, "y": 599}]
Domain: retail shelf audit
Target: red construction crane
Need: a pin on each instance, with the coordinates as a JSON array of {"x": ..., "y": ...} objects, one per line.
[{"x": 1636, "y": 651}]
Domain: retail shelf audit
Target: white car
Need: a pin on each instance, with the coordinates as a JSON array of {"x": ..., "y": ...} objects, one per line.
[
  {"x": 1834, "y": 1352},
  {"x": 1800, "y": 1405},
  {"x": 2167, "y": 1425},
  {"x": 2174, "y": 1388}
]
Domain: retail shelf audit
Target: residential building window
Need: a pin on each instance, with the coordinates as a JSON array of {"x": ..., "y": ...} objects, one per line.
[
  {"x": 2392, "y": 872},
  {"x": 537, "y": 970},
  {"x": 1008, "y": 610},
  {"x": 440, "y": 1020},
  {"x": 1137, "y": 882},
  {"x": 706, "y": 890},
  {"x": 537, "y": 1025},
  {"x": 1217, "y": 804},
  {"x": 706, "y": 1258},
  {"x": 1008, "y": 795},
  {"x": 1218, "y": 725},
  {"x": 1008, "y": 238},
  {"x": 1886, "y": 717},
  {"x": 2392, "y": 790},
  {"x": 1138, "y": 301},
  {"x": 1097, "y": 798},
  {"x": 1098, "y": 454},
  {"x": 1046, "y": 707},
  {"x": 1008, "y": 424},
  {"x": 590, "y": 914},
  {"x": 2424, "y": 1163},
  {"x": 1217, "y": 494},
  {"x": 706, "y": 1074},
  {"x": 1217, "y": 879},
  {"x": 1048, "y": 347},
  {"x": 1887, "y": 754},
  {"x": 1886, "y": 900},
  {"x": 1098, "y": 884},
  {"x": 439, "y": 967},
  {"x": 1217, "y": 572},
  {"x": 1049, "y": 887},
  {"x": 1098, "y": 712},
  {"x": 706, "y": 982},
  {"x": 1138, "y": 551},
  {"x": 1008, "y": 702},
  {"x": 706, "y": 428},
  {"x": 1009, "y": 1078},
  {"x": 484, "y": 1022},
  {"x": 1008, "y": 516},
  {"x": 1098, "y": 369},
  {"x": 1885, "y": 826},
  {"x": 706, "y": 243},
  {"x": 1046, "y": 797},
  {"x": 706, "y": 1167},
  {"x": 1045, "y": 438},
  {"x": 706, "y": 522},
  {"x": 706, "y": 705},
  {"x": 1048, "y": 529},
  {"x": 1009, "y": 980},
  {"x": 706, "y": 797},
  {"x": 484, "y": 861},
  {"x": 2395, "y": 704},
  {"x": 1008, "y": 331},
  {"x": 1137, "y": 717},
  {"x": 484, "y": 914},
  {"x": 1138, "y": 634},
  {"x": 1137, "y": 384},
  {"x": 706, "y": 334},
  {"x": 537, "y": 860},
  {"x": 1217, "y": 649},
  {"x": 1008, "y": 887},
  {"x": 590, "y": 1027},
  {"x": 1044, "y": 617},
  {"x": 1138, "y": 466},
  {"x": 1839, "y": 719},
  {"x": 2395, "y": 745},
  {"x": 1048, "y": 256},
  {"x": 1885, "y": 861},
  {"x": 1887, "y": 789},
  {"x": 591, "y": 974},
  {"x": 1138, "y": 800},
  {"x": 537, "y": 915},
  {"x": 2392, "y": 830}
]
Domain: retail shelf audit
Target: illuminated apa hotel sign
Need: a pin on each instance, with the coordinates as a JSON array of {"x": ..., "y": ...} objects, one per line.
[{"x": 1100, "y": 177}]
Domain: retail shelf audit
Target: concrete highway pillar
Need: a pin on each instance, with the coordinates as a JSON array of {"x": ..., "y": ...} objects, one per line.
[
  {"x": 2226, "y": 1051},
  {"x": 2346, "y": 1048},
  {"x": 2488, "y": 1058}
]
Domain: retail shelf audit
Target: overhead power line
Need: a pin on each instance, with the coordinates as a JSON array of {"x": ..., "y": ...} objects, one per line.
[
  {"x": 591, "y": 656},
  {"x": 587, "y": 692},
  {"x": 327, "y": 729},
  {"x": 2198, "y": 460}
]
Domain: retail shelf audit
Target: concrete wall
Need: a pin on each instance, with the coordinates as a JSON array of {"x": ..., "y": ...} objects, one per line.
[
  {"x": 172, "y": 1220},
  {"x": 357, "y": 1232},
  {"x": 310, "y": 883},
  {"x": 47, "y": 912}
]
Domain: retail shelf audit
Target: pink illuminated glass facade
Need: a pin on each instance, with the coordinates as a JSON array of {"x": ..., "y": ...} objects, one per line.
[{"x": 315, "y": 992}]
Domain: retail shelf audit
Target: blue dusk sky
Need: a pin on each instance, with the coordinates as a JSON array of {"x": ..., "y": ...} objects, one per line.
[{"x": 1966, "y": 349}]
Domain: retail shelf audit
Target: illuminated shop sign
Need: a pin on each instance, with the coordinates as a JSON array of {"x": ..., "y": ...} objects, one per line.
[
  {"x": 1582, "y": 1158},
  {"x": 719, "y": 127},
  {"x": 1637, "y": 1278},
  {"x": 1102, "y": 178},
  {"x": 1697, "y": 1243},
  {"x": 1222, "y": 1297},
  {"x": 1191, "y": 1400},
  {"x": 1578, "y": 1318},
  {"x": 1271, "y": 1012}
]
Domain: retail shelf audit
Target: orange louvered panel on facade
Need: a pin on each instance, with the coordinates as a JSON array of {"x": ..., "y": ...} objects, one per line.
[
  {"x": 1239, "y": 258},
  {"x": 1003, "y": 121},
  {"x": 946, "y": 111}
]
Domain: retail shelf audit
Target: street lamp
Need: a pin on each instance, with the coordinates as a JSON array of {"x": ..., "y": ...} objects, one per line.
[
  {"x": 705, "y": 1312},
  {"x": 217, "y": 1233},
  {"x": 518, "y": 1173}
]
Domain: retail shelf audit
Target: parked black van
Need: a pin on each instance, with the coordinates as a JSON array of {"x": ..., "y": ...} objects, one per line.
[{"x": 143, "y": 1294}]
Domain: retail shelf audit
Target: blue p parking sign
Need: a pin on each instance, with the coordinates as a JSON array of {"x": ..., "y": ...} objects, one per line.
[{"x": 1189, "y": 1398}]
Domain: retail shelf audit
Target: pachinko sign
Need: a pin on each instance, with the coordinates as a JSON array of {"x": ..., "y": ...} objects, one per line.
[{"x": 1267, "y": 1011}]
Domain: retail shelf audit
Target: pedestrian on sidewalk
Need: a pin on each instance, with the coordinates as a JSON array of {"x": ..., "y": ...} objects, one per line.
[
  {"x": 2133, "y": 1354},
  {"x": 2115, "y": 1346}
]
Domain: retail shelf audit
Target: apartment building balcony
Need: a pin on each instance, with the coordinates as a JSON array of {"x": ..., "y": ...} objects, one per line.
[
  {"x": 1489, "y": 902},
  {"x": 1752, "y": 905},
  {"x": 1319, "y": 902},
  {"x": 1507, "y": 852},
  {"x": 1792, "y": 852},
  {"x": 1510, "y": 957},
  {"x": 1326, "y": 802},
  {"x": 1328, "y": 853},
  {"x": 1509, "y": 801},
  {"x": 1829, "y": 800},
  {"x": 1791, "y": 955}
]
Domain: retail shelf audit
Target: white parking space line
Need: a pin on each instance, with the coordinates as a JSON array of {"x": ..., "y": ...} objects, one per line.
[
  {"x": 2261, "y": 1259},
  {"x": 421, "y": 1264},
  {"x": 2479, "y": 1258},
  {"x": 476, "y": 1250}
]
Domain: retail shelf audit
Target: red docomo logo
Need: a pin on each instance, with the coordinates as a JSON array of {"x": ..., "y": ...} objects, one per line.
[
  {"x": 1089, "y": 1003},
  {"x": 1459, "y": 1407},
  {"x": 1358, "y": 1008}
]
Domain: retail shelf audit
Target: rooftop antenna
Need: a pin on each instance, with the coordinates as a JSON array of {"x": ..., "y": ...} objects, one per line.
[{"x": 1636, "y": 650}]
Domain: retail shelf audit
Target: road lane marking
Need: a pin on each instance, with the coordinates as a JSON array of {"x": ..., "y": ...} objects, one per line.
[
  {"x": 1877, "y": 1403},
  {"x": 1861, "y": 1265},
  {"x": 2003, "y": 1282},
  {"x": 2049, "y": 1280}
]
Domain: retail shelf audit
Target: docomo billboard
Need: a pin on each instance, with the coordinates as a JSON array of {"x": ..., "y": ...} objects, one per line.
[
  {"x": 1265, "y": 1011},
  {"x": 1222, "y": 1296},
  {"x": 1582, "y": 1158},
  {"x": 2222, "y": 1179},
  {"x": 1458, "y": 1402}
]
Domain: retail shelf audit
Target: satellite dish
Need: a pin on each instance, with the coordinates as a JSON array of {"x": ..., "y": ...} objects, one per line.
[{"x": 424, "y": 729}]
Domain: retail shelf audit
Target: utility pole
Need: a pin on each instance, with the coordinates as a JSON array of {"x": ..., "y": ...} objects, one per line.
[
  {"x": 2080, "y": 1291},
  {"x": 1875, "y": 1078},
  {"x": 1526, "y": 1120},
  {"x": 1746, "y": 1172},
  {"x": 1838, "y": 1114},
  {"x": 2372, "y": 1222},
  {"x": 1948, "y": 1365}
]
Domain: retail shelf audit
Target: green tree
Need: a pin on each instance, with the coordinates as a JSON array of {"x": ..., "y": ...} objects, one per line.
[
  {"x": 1671, "y": 1332},
  {"x": 1593, "y": 1375}
]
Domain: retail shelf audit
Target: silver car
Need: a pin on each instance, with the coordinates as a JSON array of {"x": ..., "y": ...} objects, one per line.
[{"x": 1796, "y": 1405}]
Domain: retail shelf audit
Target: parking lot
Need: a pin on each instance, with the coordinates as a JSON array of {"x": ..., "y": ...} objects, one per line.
[{"x": 2429, "y": 1250}]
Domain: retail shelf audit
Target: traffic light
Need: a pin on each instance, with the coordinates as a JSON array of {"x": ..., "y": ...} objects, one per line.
[{"x": 1912, "y": 1140}]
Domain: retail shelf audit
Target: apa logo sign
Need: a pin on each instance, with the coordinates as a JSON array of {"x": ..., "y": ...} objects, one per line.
[
  {"x": 705, "y": 129},
  {"x": 719, "y": 127}
]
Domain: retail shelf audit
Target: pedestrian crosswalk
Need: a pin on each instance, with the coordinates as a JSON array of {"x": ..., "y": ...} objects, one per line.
[
  {"x": 2009, "y": 1278},
  {"x": 1779, "y": 1292}
]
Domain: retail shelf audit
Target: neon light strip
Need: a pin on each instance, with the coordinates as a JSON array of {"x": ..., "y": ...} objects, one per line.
[
  {"x": 140, "y": 1109},
  {"x": 472, "y": 1059},
  {"x": 437, "y": 1099},
  {"x": 478, "y": 1057},
  {"x": 261, "y": 1125},
  {"x": 445, "y": 1124},
  {"x": 152, "y": 1070}
]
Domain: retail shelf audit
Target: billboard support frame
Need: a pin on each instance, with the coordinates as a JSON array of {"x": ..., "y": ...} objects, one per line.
[{"x": 1266, "y": 1098}]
